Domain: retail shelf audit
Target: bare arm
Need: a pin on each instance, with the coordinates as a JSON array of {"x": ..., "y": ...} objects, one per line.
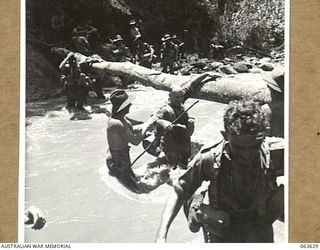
[
  {"x": 134, "y": 136},
  {"x": 137, "y": 133},
  {"x": 63, "y": 63},
  {"x": 190, "y": 85},
  {"x": 120, "y": 133},
  {"x": 188, "y": 183},
  {"x": 144, "y": 127},
  {"x": 169, "y": 213},
  {"x": 151, "y": 53}
]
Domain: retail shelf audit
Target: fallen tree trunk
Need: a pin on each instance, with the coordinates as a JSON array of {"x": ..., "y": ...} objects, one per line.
[{"x": 223, "y": 89}]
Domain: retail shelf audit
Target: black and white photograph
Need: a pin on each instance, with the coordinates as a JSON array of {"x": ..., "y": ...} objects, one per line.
[{"x": 155, "y": 121}]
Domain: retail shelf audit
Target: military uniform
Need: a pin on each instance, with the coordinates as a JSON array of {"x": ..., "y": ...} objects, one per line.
[
  {"x": 169, "y": 53},
  {"x": 240, "y": 204},
  {"x": 119, "y": 165},
  {"x": 144, "y": 52},
  {"x": 175, "y": 142},
  {"x": 80, "y": 39},
  {"x": 76, "y": 87}
]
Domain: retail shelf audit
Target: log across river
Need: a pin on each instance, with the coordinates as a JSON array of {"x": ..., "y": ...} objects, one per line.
[{"x": 223, "y": 89}]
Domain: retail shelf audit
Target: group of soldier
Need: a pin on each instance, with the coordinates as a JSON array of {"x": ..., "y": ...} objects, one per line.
[
  {"x": 242, "y": 199},
  {"x": 86, "y": 40}
]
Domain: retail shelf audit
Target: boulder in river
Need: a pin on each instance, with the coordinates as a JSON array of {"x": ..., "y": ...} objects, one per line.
[
  {"x": 228, "y": 69},
  {"x": 240, "y": 67},
  {"x": 266, "y": 66}
]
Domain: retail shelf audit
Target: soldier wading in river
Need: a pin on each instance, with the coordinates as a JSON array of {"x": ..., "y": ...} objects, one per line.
[
  {"x": 76, "y": 83},
  {"x": 243, "y": 199}
]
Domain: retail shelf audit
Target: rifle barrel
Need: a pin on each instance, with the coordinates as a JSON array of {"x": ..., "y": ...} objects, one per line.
[{"x": 143, "y": 152}]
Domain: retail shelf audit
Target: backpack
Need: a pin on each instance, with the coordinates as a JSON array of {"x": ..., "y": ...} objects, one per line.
[{"x": 270, "y": 206}]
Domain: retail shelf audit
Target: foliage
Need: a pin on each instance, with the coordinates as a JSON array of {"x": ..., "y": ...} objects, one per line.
[{"x": 256, "y": 23}]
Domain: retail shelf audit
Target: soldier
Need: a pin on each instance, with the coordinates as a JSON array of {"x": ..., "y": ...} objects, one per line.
[
  {"x": 243, "y": 199},
  {"x": 121, "y": 53},
  {"x": 80, "y": 38},
  {"x": 180, "y": 46},
  {"x": 173, "y": 140},
  {"x": 145, "y": 53},
  {"x": 120, "y": 133},
  {"x": 216, "y": 51},
  {"x": 134, "y": 30},
  {"x": 96, "y": 78},
  {"x": 168, "y": 54},
  {"x": 76, "y": 83},
  {"x": 275, "y": 83}
]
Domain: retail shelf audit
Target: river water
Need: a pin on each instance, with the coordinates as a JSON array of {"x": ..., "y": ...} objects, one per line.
[{"x": 66, "y": 177}]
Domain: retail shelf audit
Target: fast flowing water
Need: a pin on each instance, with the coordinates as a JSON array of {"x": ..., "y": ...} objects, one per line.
[{"x": 66, "y": 177}]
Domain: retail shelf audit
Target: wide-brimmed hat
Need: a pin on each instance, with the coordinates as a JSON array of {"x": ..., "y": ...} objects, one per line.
[
  {"x": 275, "y": 79},
  {"x": 137, "y": 38},
  {"x": 132, "y": 22},
  {"x": 120, "y": 100},
  {"x": 166, "y": 37},
  {"x": 118, "y": 38}
]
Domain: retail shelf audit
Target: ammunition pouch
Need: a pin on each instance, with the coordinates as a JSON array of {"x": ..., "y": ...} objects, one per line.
[{"x": 212, "y": 220}]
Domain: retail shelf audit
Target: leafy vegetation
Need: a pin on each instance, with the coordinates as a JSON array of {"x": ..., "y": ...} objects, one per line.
[{"x": 256, "y": 23}]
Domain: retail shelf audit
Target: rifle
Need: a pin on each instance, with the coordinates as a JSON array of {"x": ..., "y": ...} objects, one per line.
[{"x": 147, "y": 148}]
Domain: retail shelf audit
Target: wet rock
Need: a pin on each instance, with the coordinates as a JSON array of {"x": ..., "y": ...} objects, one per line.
[
  {"x": 249, "y": 65},
  {"x": 228, "y": 69},
  {"x": 265, "y": 60},
  {"x": 255, "y": 70},
  {"x": 251, "y": 60},
  {"x": 266, "y": 66},
  {"x": 192, "y": 57},
  {"x": 227, "y": 60},
  {"x": 239, "y": 56},
  {"x": 240, "y": 67},
  {"x": 215, "y": 65},
  {"x": 186, "y": 70},
  {"x": 201, "y": 63}
]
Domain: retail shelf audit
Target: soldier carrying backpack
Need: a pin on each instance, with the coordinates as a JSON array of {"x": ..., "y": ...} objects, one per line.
[{"x": 242, "y": 199}]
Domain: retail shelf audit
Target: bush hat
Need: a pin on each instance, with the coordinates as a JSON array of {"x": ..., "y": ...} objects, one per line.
[
  {"x": 166, "y": 37},
  {"x": 120, "y": 100},
  {"x": 117, "y": 39},
  {"x": 275, "y": 79},
  {"x": 137, "y": 38}
]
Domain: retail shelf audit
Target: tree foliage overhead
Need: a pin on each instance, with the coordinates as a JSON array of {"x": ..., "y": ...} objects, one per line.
[{"x": 257, "y": 23}]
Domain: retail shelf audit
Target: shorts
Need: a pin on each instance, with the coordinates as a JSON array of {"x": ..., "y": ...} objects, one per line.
[{"x": 120, "y": 168}]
